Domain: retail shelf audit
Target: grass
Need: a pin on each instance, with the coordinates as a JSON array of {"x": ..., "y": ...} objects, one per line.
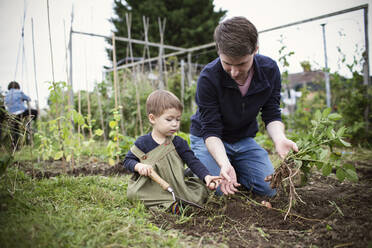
[
  {"x": 93, "y": 149},
  {"x": 66, "y": 211},
  {"x": 90, "y": 211}
]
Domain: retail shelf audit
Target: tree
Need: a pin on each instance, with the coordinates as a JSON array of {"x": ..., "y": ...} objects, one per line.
[
  {"x": 188, "y": 23},
  {"x": 306, "y": 66}
]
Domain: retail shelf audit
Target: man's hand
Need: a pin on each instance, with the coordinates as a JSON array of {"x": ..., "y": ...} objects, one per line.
[
  {"x": 229, "y": 181},
  {"x": 284, "y": 145},
  {"x": 143, "y": 169}
]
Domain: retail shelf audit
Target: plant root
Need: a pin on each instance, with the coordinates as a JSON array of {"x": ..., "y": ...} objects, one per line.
[{"x": 286, "y": 172}]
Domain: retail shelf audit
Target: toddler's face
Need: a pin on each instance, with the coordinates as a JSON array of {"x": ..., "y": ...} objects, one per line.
[{"x": 168, "y": 123}]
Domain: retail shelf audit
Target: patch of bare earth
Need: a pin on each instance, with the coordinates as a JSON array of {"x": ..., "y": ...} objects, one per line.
[
  {"x": 88, "y": 167},
  {"x": 335, "y": 215}
]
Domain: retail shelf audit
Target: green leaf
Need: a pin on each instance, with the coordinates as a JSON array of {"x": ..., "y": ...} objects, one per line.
[
  {"x": 298, "y": 163},
  {"x": 98, "y": 132},
  {"x": 351, "y": 175},
  {"x": 349, "y": 167},
  {"x": 80, "y": 119},
  {"x": 329, "y": 228},
  {"x": 334, "y": 117},
  {"x": 331, "y": 133},
  {"x": 340, "y": 174},
  {"x": 341, "y": 131},
  {"x": 314, "y": 123},
  {"x": 318, "y": 115},
  {"x": 117, "y": 117},
  {"x": 319, "y": 165},
  {"x": 323, "y": 154},
  {"x": 58, "y": 155},
  {"x": 347, "y": 144},
  {"x": 327, "y": 169},
  {"x": 326, "y": 112},
  {"x": 112, "y": 124}
]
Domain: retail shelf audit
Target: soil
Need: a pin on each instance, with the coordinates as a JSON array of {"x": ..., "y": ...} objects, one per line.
[{"x": 335, "y": 214}]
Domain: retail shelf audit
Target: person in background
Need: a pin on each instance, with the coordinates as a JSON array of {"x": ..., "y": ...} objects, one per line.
[
  {"x": 14, "y": 104},
  {"x": 162, "y": 151},
  {"x": 231, "y": 91}
]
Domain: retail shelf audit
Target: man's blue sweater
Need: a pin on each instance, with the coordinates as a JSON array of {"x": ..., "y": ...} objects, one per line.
[{"x": 223, "y": 112}]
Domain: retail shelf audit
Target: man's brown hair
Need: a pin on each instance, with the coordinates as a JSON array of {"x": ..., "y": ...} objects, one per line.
[
  {"x": 161, "y": 100},
  {"x": 236, "y": 37}
]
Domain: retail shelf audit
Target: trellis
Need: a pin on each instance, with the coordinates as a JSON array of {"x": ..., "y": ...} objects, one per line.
[{"x": 179, "y": 51}]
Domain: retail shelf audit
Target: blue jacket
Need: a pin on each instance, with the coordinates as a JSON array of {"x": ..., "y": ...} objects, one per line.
[
  {"x": 14, "y": 101},
  {"x": 223, "y": 112}
]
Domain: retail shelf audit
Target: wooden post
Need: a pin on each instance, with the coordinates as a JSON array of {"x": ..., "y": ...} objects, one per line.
[
  {"x": 366, "y": 77},
  {"x": 115, "y": 72},
  {"x": 71, "y": 64},
  {"x": 138, "y": 104},
  {"x": 50, "y": 42},
  {"x": 120, "y": 108},
  {"x": 79, "y": 110},
  {"x": 115, "y": 84},
  {"x": 89, "y": 116},
  {"x": 146, "y": 50},
  {"x": 182, "y": 80},
  {"x": 161, "y": 52},
  {"x": 189, "y": 69},
  {"x": 100, "y": 110},
  {"x": 326, "y": 73},
  {"x": 34, "y": 59}
]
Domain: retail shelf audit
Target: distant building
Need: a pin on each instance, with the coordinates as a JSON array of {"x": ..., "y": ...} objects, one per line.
[
  {"x": 296, "y": 81},
  {"x": 309, "y": 79}
]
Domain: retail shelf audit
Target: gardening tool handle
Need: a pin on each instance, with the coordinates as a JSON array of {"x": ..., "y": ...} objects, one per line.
[{"x": 154, "y": 176}]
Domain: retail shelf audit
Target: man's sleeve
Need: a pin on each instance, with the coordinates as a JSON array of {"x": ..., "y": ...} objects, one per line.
[
  {"x": 271, "y": 109},
  {"x": 209, "y": 107}
]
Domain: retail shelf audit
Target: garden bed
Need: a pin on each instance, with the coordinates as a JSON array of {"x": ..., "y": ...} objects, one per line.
[{"x": 335, "y": 214}]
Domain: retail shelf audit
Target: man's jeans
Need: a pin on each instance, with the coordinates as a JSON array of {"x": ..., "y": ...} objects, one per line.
[{"x": 250, "y": 161}]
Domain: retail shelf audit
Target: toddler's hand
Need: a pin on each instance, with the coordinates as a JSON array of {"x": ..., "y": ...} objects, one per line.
[
  {"x": 143, "y": 169},
  {"x": 212, "y": 182}
]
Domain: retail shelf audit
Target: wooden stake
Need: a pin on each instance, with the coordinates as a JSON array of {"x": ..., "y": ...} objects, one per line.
[
  {"x": 115, "y": 72},
  {"x": 115, "y": 85},
  {"x": 161, "y": 52},
  {"x": 101, "y": 113},
  {"x": 138, "y": 103}
]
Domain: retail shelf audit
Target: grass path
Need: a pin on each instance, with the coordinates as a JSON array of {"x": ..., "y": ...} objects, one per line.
[{"x": 90, "y": 211}]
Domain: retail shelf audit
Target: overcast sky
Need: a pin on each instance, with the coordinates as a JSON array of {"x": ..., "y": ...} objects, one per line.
[{"x": 345, "y": 32}]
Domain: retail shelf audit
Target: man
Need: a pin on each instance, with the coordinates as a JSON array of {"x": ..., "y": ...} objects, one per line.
[{"x": 231, "y": 91}]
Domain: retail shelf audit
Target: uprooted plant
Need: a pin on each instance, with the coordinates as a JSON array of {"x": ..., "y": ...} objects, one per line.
[{"x": 317, "y": 148}]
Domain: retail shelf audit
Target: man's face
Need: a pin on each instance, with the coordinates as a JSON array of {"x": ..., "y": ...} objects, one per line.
[{"x": 237, "y": 67}]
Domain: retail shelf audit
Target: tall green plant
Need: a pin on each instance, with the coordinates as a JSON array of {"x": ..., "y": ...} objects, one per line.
[
  {"x": 317, "y": 149},
  {"x": 56, "y": 138},
  {"x": 351, "y": 98}
]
